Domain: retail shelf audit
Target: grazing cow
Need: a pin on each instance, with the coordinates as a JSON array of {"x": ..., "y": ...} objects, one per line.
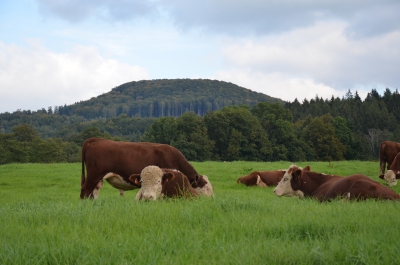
[
  {"x": 269, "y": 178},
  {"x": 157, "y": 183},
  {"x": 393, "y": 173},
  {"x": 387, "y": 152},
  {"x": 326, "y": 187},
  {"x": 207, "y": 189},
  {"x": 121, "y": 159}
]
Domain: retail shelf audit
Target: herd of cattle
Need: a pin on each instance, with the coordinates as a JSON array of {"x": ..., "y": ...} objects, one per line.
[{"x": 160, "y": 170}]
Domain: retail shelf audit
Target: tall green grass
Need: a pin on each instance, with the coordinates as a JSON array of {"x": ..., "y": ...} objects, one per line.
[{"x": 43, "y": 221}]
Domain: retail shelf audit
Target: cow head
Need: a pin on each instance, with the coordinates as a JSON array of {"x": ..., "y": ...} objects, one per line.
[
  {"x": 152, "y": 179},
  {"x": 390, "y": 178},
  {"x": 288, "y": 185},
  {"x": 207, "y": 189},
  {"x": 198, "y": 181}
]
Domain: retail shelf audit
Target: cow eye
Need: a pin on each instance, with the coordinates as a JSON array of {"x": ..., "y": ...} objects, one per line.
[{"x": 285, "y": 179}]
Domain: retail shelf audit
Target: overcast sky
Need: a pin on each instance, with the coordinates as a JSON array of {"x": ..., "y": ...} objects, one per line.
[{"x": 60, "y": 52}]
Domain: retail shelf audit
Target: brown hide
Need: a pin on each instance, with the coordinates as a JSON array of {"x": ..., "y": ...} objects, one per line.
[
  {"x": 395, "y": 167},
  {"x": 102, "y": 156},
  {"x": 387, "y": 152},
  {"x": 175, "y": 184},
  {"x": 326, "y": 187},
  {"x": 270, "y": 178}
]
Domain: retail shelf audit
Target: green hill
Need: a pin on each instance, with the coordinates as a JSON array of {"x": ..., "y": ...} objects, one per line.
[{"x": 158, "y": 98}]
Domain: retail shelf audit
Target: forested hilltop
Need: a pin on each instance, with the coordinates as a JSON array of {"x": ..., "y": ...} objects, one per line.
[
  {"x": 347, "y": 128},
  {"x": 159, "y": 98}
]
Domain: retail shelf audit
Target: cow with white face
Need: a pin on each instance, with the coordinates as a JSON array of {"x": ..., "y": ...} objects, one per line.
[
  {"x": 157, "y": 183},
  {"x": 284, "y": 187},
  {"x": 391, "y": 177},
  {"x": 207, "y": 189}
]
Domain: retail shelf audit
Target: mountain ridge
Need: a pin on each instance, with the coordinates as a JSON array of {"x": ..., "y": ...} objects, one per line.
[{"x": 165, "y": 97}]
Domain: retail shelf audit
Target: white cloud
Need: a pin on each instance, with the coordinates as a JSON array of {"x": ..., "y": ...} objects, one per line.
[
  {"x": 278, "y": 85},
  {"x": 320, "y": 59},
  {"x": 34, "y": 78}
]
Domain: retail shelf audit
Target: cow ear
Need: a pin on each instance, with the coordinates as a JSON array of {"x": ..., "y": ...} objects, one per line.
[
  {"x": 167, "y": 177},
  {"x": 296, "y": 174},
  {"x": 307, "y": 168},
  {"x": 381, "y": 176},
  {"x": 135, "y": 178}
]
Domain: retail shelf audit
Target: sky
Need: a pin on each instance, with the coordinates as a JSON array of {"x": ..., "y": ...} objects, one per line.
[{"x": 56, "y": 52}]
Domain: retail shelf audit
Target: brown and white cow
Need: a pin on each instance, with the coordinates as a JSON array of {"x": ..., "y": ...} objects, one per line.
[
  {"x": 207, "y": 190},
  {"x": 393, "y": 173},
  {"x": 387, "y": 152},
  {"x": 122, "y": 159},
  {"x": 269, "y": 177},
  {"x": 157, "y": 183},
  {"x": 326, "y": 187}
]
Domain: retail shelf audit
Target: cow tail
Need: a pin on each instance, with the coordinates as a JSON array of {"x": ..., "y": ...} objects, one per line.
[{"x": 382, "y": 159}]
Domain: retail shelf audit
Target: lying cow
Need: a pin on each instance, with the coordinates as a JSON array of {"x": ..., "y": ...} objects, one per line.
[
  {"x": 157, "y": 183},
  {"x": 393, "y": 173},
  {"x": 264, "y": 178},
  {"x": 326, "y": 187},
  {"x": 121, "y": 159}
]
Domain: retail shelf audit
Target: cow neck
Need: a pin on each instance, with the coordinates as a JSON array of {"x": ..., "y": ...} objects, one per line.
[
  {"x": 187, "y": 169},
  {"x": 311, "y": 181}
]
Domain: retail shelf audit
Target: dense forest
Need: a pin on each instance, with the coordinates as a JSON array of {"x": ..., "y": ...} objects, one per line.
[
  {"x": 347, "y": 128},
  {"x": 159, "y": 98}
]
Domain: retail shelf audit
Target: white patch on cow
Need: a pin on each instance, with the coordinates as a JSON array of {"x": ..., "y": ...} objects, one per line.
[
  {"x": 151, "y": 177},
  {"x": 260, "y": 183},
  {"x": 390, "y": 178},
  {"x": 284, "y": 188},
  {"x": 206, "y": 190}
]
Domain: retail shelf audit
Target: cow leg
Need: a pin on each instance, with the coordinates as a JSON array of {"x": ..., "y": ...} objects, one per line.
[
  {"x": 139, "y": 195},
  {"x": 121, "y": 192},
  {"x": 96, "y": 190},
  {"x": 91, "y": 189}
]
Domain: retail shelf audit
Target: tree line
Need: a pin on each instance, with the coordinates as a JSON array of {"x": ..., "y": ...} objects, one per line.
[
  {"x": 266, "y": 132},
  {"x": 315, "y": 130}
]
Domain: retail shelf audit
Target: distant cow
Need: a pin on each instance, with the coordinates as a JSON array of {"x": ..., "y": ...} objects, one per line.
[
  {"x": 387, "y": 152},
  {"x": 269, "y": 177},
  {"x": 393, "y": 173},
  {"x": 121, "y": 159},
  {"x": 326, "y": 187},
  {"x": 157, "y": 183}
]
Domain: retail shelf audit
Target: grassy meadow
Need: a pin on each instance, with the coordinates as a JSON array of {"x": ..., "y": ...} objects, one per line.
[{"x": 43, "y": 221}]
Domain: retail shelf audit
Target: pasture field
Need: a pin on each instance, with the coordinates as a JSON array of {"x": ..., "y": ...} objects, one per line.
[{"x": 43, "y": 221}]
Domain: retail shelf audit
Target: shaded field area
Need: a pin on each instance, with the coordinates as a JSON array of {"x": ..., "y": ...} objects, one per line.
[{"x": 43, "y": 221}]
